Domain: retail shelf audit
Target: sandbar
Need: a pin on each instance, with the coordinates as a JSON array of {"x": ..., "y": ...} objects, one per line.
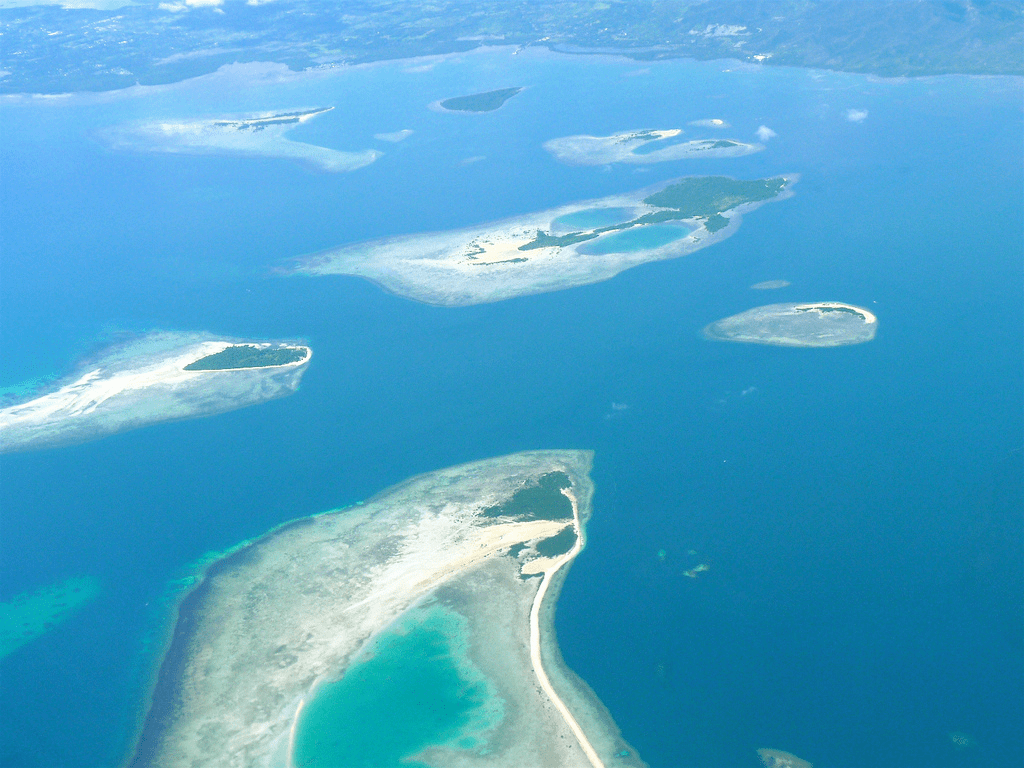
[
  {"x": 642, "y": 147},
  {"x": 572, "y": 245},
  {"x": 712, "y": 122},
  {"x": 270, "y": 623},
  {"x": 770, "y": 285},
  {"x": 814, "y": 324},
  {"x": 141, "y": 382},
  {"x": 261, "y": 134}
]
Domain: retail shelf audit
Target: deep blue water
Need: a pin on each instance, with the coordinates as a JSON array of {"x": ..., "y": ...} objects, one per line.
[{"x": 860, "y": 507}]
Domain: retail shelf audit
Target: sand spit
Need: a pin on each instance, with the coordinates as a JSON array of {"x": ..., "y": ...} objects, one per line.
[
  {"x": 770, "y": 285},
  {"x": 143, "y": 382},
  {"x": 815, "y": 324},
  {"x": 654, "y": 147},
  {"x": 529, "y": 254},
  {"x": 261, "y": 134},
  {"x": 293, "y": 609}
]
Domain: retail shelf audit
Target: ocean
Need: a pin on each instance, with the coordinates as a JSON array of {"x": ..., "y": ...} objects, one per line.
[{"x": 859, "y": 507}]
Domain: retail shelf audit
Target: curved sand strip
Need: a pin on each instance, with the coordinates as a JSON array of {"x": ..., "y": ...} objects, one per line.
[{"x": 535, "y": 655}]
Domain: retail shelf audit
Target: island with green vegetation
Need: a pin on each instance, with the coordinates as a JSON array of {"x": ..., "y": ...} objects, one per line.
[
  {"x": 551, "y": 250},
  {"x": 255, "y": 135},
  {"x": 415, "y": 628},
  {"x": 817, "y": 324},
  {"x": 479, "y": 102},
  {"x": 159, "y": 376},
  {"x": 61, "y": 48},
  {"x": 249, "y": 356},
  {"x": 643, "y": 147}
]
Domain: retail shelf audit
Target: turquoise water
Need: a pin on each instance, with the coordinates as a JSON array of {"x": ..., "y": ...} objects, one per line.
[
  {"x": 417, "y": 689},
  {"x": 859, "y": 507},
  {"x": 592, "y": 218},
  {"x": 636, "y": 239}
]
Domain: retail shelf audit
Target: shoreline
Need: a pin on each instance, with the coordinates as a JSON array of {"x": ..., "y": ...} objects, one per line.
[{"x": 535, "y": 637}]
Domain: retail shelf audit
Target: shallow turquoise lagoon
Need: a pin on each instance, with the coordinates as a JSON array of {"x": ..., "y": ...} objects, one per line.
[
  {"x": 636, "y": 239},
  {"x": 592, "y": 218},
  {"x": 415, "y": 689}
]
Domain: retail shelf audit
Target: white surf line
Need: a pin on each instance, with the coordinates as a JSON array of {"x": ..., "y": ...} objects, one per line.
[{"x": 538, "y": 668}]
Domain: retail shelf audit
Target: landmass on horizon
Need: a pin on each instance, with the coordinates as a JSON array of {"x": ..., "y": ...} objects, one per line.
[
  {"x": 160, "y": 376},
  {"x": 481, "y": 548},
  {"x": 50, "y": 49},
  {"x": 818, "y": 324},
  {"x": 256, "y": 135},
  {"x": 560, "y": 248}
]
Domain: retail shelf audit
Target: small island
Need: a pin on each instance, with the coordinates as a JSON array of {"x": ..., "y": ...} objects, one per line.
[
  {"x": 769, "y": 285},
  {"x": 479, "y": 102},
  {"x": 572, "y": 245},
  {"x": 255, "y": 135},
  {"x": 336, "y": 619},
  {"x": 820, "y": 324},
  {"x": 642, "y": 147},
  {"x": 157, "y": 377}
]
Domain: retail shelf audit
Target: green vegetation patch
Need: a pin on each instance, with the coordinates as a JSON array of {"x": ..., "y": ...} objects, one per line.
[
  {"x": 545, "y": 240},
  {"x": 543, "y": 501},
  {"x": 247, "y": 356},
  {"x": 716, "y": 222},
  {"x": 847, "y": 310},
  {"x": 708, "y": 195},
  {"x": 32, "y": 614},
  {"x": 558, "y": 544},
  {"x": 480, "y": 102},
  {"x": 503, "y": 261}
]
